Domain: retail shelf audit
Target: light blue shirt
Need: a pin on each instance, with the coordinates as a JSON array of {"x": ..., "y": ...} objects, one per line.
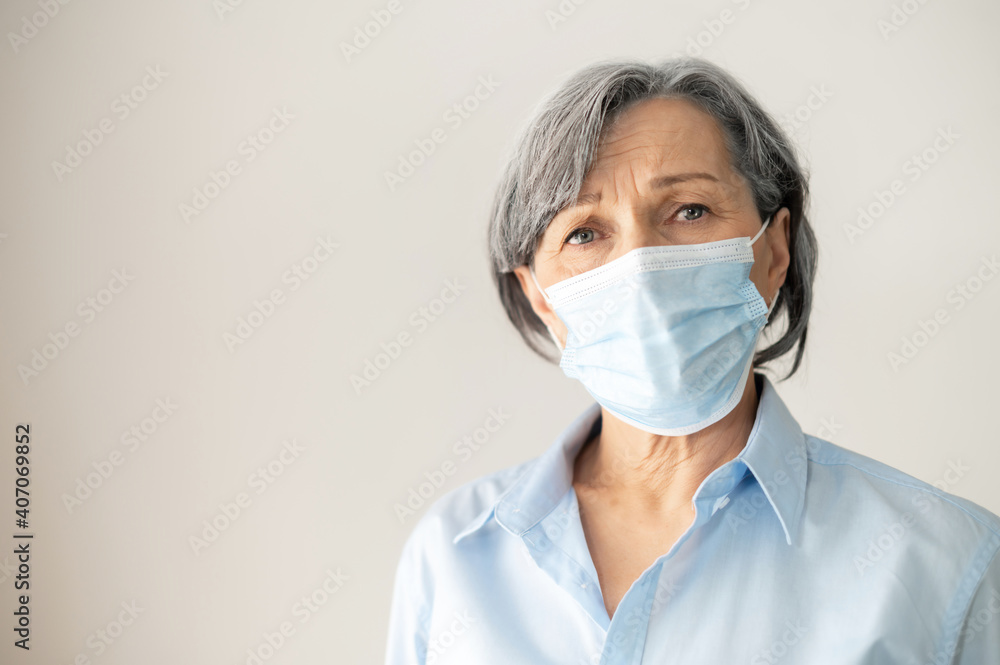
[{"x": 800, "y": 552}]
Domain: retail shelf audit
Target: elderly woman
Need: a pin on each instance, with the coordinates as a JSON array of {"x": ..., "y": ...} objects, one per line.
[{"x": 651, "y": 224}]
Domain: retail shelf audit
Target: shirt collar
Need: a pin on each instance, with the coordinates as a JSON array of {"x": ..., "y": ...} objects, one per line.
[{"x": 775, "y": 455}]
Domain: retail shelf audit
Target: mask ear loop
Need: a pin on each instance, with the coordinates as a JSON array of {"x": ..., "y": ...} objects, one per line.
[
  {"x": 555, "y": 339},
  {"x": 774, "y": 300},
  {"x": 763, "y": 226},
  {"x": 540, "y": 289}
]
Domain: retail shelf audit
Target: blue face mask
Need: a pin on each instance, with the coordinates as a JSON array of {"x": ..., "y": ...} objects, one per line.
[{"x": 663, "y": 337}]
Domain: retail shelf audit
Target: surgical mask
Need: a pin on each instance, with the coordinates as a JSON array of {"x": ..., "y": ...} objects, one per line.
[{"x": 663, "y": 337}]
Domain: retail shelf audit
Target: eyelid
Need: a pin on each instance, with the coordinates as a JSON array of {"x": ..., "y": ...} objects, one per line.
[
  {"x": 685, "y": 206},
  {"x": 585, "y": 225},
  {"x": 588, "y": 224}
]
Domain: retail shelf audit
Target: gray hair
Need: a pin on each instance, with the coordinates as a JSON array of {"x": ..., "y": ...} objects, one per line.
[{"x": 555, "y": 151}]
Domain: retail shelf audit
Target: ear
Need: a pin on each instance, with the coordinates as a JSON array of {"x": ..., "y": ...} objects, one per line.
[
  {"x": 538, "y": 304},
  {"x": 779, "y": 240}
]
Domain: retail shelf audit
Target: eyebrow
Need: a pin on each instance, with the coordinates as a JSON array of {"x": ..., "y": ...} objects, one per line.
[{"x": 657, "y": 183}]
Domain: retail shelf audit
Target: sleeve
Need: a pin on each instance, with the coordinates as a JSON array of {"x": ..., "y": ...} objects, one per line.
[
  {"x": 409, "y": 614},
  {"x": 979, "y": 637}
]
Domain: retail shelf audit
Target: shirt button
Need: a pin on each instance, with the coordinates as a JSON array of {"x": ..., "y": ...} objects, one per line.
[{"x": 720, "y": 503}]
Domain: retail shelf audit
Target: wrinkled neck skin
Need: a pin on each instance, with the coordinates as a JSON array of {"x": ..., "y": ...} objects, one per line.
[{"x": 654, "y": 475}]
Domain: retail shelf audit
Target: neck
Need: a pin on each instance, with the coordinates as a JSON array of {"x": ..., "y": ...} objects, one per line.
[{"x": 658, "y": 475}]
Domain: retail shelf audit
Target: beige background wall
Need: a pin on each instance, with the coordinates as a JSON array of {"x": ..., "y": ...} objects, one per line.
[{"x": 167, "y": 94}]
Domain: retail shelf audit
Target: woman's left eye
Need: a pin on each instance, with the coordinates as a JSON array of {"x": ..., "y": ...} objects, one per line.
[
  {"x": 580, "y": 236},
  {"x": 699, "y": 209}
]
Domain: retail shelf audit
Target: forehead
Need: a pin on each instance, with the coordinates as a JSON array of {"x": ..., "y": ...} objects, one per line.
[{"x": 669, "y": 135}]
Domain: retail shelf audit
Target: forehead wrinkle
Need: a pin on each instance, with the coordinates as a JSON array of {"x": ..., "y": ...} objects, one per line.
[
  {"x": 642, "y": 171},
  {"x": 624, "y": 177},
  {"x": 670, "y": 125},
  {"x": 683, "y": 139}
]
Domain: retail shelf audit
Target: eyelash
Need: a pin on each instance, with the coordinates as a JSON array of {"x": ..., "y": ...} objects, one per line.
[{"x": 704, "y": 208}]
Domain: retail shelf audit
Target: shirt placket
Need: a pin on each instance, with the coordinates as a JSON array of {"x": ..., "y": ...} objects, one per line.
[
  {"x": 558, "y": 547},
  {"x": 626, "y": 635}
]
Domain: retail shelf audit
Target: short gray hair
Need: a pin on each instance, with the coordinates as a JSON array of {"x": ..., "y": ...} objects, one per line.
[{"x": 555, "y": 151}]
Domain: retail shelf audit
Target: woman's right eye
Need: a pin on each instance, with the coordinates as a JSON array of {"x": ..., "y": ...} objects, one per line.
[{"x": 585, "y": 235}]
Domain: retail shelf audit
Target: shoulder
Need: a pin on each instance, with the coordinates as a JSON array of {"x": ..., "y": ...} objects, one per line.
[
  {"x": 885, "y": 513},
  {"x": 885, "y": 483},
  {"x": 900, "y": 532},
  {"x": 459, "y": 508}
]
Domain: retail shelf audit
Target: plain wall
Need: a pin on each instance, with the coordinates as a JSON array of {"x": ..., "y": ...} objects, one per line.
[{"x": 878, "y": 98}]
